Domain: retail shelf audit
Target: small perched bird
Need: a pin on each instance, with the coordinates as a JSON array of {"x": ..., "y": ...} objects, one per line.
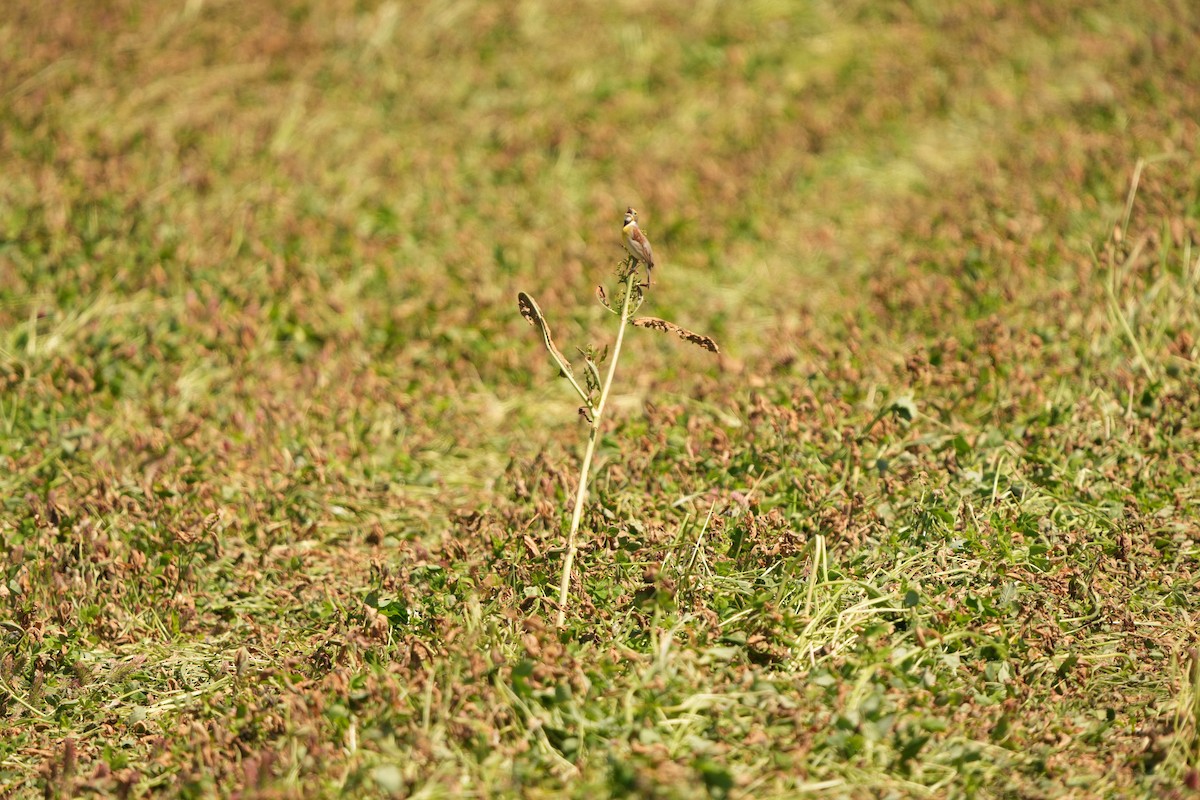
[{"x": 636, "y": 242}]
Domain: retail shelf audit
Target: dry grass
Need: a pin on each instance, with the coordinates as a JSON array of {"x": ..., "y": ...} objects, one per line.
[{"x": 282, "y": 472}]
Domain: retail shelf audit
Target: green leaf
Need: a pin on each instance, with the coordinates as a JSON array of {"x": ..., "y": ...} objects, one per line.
[
  {"x": 716, "y": 777},
  {"x": 904, "y": 407},
  {"x": 388, "y": 778}
]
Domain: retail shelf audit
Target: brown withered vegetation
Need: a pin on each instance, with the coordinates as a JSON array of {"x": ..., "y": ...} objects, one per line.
[
  {"x": 282, "y": 481},
  {"x": 698, "y": 339}
]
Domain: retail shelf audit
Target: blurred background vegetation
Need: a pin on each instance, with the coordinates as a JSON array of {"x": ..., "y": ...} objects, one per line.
[{"x": 260, "y": 359}]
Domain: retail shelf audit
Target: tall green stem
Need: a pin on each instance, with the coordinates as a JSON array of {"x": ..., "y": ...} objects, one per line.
[{"x": 564, "y": 587}]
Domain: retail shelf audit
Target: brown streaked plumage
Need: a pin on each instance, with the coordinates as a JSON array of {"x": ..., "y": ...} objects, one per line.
[{"x": 637, "y": 243}]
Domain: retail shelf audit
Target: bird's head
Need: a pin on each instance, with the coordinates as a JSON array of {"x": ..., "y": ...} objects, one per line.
[{"x": 630, "y": 215}]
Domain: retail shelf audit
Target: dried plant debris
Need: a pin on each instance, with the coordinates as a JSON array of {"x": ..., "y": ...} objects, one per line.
[
  {"x": 533, "y": 315},
  {"x": 698, "y": 339},
  {"x": 283, "y": 506}
]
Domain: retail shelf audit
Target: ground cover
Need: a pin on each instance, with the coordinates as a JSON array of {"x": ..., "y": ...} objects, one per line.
[{"x": 284, "y": 474}]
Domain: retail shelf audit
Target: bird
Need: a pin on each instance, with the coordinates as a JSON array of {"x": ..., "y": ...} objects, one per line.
[{"x": 636, "y": 242}]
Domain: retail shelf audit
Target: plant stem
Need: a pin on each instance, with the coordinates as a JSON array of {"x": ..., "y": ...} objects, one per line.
[{"x": 593, "y": 435}]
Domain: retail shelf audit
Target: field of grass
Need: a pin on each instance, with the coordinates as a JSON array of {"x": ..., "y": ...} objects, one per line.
[{"x": 285, "y": 476}]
